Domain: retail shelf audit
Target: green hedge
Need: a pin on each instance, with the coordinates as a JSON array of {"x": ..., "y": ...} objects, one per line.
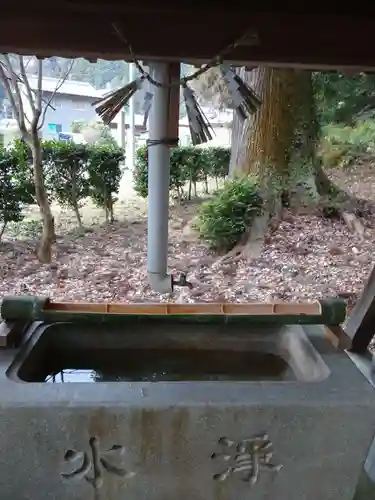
[
  {"x": 189, "y": 165},
  {"x": 72, "y": 172}
]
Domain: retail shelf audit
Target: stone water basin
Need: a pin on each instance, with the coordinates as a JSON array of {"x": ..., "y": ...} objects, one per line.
[
  {"x": 69, "y": 352},
  {"x": 188, "y": 411}
]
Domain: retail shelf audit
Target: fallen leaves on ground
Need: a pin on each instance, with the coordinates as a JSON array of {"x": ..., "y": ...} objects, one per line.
[{"x": 306, "y": 257}]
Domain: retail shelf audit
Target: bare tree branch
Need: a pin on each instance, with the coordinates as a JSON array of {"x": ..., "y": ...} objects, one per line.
[
  {"x": 14, "y": 87},
  {"x": 39, "y": 86},
  {"x": 8, "y": 87},
  {"x": 43, "y": 100},
  {"x": 27, "y": 84},
  {"x": 7, "y": 70},
  {"x": 28, "y": 62},
  {"x": 15, "y": 81},
  {"x": 58, "y": 86},
  {"x": 19, "y": 109}
]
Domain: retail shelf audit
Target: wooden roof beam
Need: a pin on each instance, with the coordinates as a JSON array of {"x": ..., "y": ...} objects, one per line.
[{"x": 301, "y": 41}]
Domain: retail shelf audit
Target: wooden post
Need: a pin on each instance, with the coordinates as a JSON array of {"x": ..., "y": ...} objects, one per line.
[
  {"x": 174, "y": 101},
  {"x": 360, "y": 325}
]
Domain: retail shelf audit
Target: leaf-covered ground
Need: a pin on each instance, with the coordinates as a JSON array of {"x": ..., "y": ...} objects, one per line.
[{"x": 305, "y": 257}]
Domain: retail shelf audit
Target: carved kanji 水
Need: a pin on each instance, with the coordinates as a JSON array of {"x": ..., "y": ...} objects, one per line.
[{"x": 93, "y": 464}]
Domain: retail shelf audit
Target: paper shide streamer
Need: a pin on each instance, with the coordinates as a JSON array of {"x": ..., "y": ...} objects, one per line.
[
  {"x": 245, "y": 100},
  {"x": 200, "y": 128}
]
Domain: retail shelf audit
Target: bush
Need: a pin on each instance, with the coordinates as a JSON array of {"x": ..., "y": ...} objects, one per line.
[
  {"x": 16, "y": 188},
  {"x": 140, "y": 173},
  {"x": 227, "y": 216},
  {"x": 104, "y": 175},
  {"x": 218, "y": 159},
  {"x": 66, "y": 173},
  {"x": 188, "y": 164}
]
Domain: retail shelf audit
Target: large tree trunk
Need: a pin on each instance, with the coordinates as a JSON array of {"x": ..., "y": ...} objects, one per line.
[
  {"x": 279, "y": 141},
  {"x": 270, "y": 134},
  {"x": 279, "y": 145},
  {"x": 48, "y": 235},
  {"x": 240, "y": 127}
]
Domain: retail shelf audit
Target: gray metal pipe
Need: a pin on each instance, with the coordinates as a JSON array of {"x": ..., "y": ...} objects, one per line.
[{"x": 158, "y": 185}]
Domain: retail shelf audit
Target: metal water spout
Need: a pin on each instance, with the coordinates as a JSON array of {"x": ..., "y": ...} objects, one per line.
[{"x": 158, "y": 187}]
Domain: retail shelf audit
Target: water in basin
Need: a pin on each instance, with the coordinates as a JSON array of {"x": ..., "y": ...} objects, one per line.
[
  {"x": 135, "y": 351},
  {"x": 154, "y": 365}
]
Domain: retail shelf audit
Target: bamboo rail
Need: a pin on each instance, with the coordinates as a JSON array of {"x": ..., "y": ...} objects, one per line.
[
  {"x": 20, "y": 311},
  {"x": 271, "y": 309}
]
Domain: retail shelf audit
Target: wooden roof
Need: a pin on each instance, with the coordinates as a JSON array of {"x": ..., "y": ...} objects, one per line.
[{"x": 179, "y": 31}]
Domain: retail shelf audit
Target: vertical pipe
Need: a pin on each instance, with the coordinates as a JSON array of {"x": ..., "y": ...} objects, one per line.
[
  {"x": 122, "y": 132},
  {"x": 132, "y": 76},
  {"x": 158, "y": 184}
]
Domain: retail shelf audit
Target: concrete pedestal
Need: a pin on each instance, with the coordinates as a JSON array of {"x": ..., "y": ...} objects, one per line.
[{"x": 281, "y": 440}]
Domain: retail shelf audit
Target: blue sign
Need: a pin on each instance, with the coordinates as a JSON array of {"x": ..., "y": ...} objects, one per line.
[
  {"x": 65, "y": 137},
  {"x": 55, "y": 127}
]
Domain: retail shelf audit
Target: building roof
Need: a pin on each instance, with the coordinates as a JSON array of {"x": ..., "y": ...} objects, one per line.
[{"x": 69, "y": 87}]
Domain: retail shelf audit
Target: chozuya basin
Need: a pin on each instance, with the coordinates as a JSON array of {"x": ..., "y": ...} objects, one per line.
[{"x": 209, "y": 402}]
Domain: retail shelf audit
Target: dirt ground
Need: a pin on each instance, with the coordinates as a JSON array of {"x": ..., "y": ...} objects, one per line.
[{"x": 306, "y": 257}]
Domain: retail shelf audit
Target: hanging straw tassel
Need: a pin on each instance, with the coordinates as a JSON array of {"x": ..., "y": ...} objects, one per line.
[
  {"x": 111, "y": 104},
  {"x": 200, "y": 128},
  {"x": 244, "y": 98}
]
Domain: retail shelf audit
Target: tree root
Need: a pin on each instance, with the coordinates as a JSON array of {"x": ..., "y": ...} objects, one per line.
[
  {"x": 354, "y": 225},
  {"x": 346, "y": 207},
  {"x": 251, "y": 243}
]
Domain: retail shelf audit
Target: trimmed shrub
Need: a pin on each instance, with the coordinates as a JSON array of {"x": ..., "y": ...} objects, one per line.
[
  {"x": 229, "y": 213},
  {"x": 16, "y": 188},
  {"x": 65, "y": 166},
  {"x": 104, "y": 175}
]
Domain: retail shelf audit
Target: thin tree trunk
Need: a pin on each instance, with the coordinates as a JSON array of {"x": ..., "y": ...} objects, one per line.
[
  {"x": 48, "y": 236},
  {"x": 105, "y": 200},
  {"x": 110, "y": 209},
  {"x": 78, "y": 215},
  {"x": 190, "y": 186},
  {"x": 2, "y": 231},
  {"x": 75, "y": 202}
]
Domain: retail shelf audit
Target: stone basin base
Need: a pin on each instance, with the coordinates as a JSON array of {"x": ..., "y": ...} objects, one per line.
[{"x": 297, "y": 430}]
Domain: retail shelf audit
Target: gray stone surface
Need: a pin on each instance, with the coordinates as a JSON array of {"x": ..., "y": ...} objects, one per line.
[{"x": 320, "y": 432}]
